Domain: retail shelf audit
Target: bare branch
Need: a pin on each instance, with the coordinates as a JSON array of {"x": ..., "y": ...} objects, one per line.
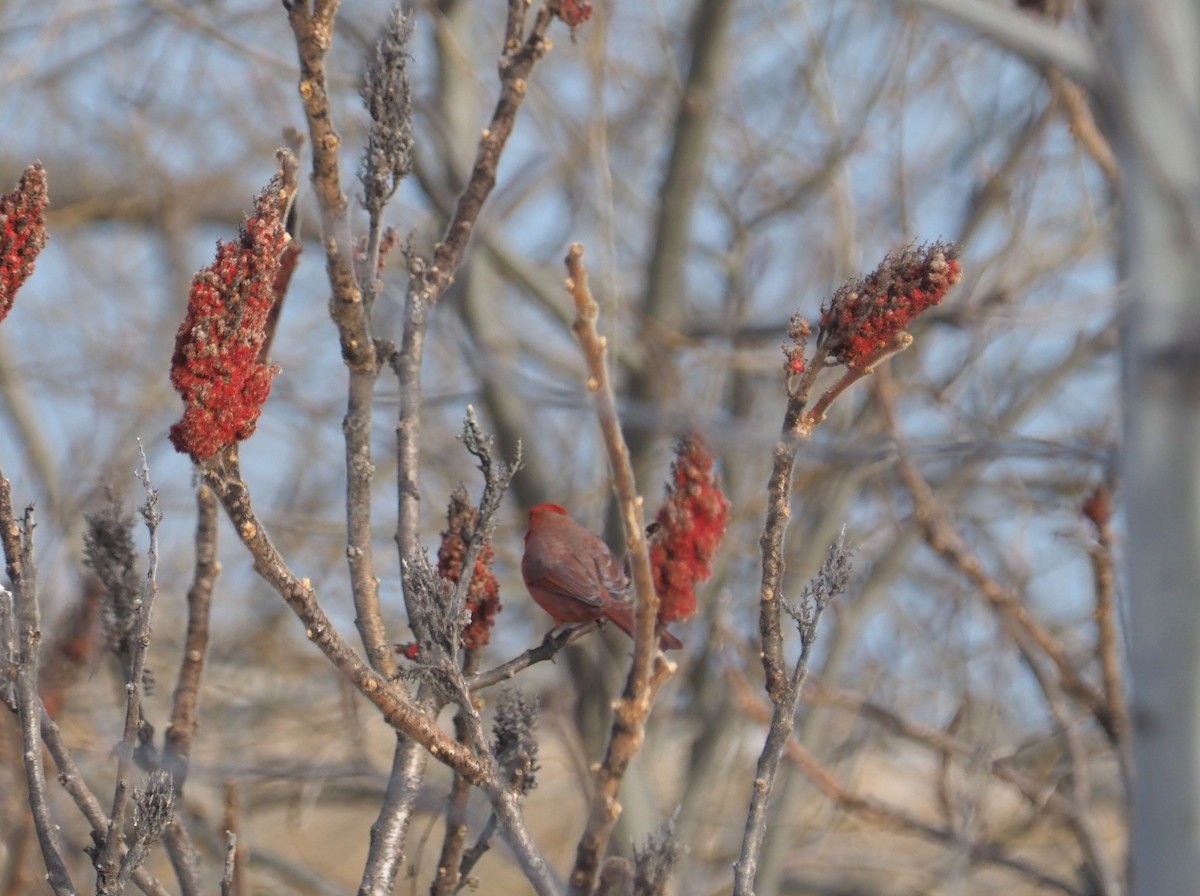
[
  {"x": 1098, "y": 509},
  {"x": 554, "y": 641},
  {"x": 177, "y": 742},
  {"x": 313, "y": 31},
  {"x": 510, "y": 764},
  {"x": 223, "y": 477},
  {"x": 106, "y": 857},
  {"x": 649, "y": 669},
  {"x": 182, "y": 729},
  {"x": 446, "y": 879},
  {"x": 386, "y": 844},
  {"x": 497, "y": 477},
  {"x": 439, "y": 670},
  {"x": 829, "y": 583},
  {"x": 235, "y": 859},
  {"x": 227, "y": 877},
  {"x": 17, "y": 539}
]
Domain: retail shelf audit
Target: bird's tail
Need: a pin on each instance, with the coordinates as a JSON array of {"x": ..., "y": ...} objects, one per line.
[{"x": 621, "y": 613}]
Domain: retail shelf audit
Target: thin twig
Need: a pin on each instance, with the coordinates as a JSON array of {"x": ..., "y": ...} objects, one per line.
[
  {"x": 555, "y": 641},
  {"x": 1082, "y": 122},
  {"x": 515, "y": 747},
  {"x": 224, "y": 478},
  {"x": 497, "y": 477},
  {"x": 22, "y": 575},
  {"x": 235, "y": 863},
  {"x": 1108, "y": 636},
  {"x": 829, "y": 583},
  {"x": 848, "y": 378},
  {"x": 471, "y": 858},
  {"x": 516, "y": 63},
  {"x": 442, "y": 612},
  {"x": 107, "y": 856},
  {"x": 313, "y": 28},
  {"x": 447, "y": 876},
  {"x": 184, "y": 704},
  {"x": 177, "y": 742},
  {"x": 778, "y": 684},
  {"x": 648, "y": 669},
  {"x": 227, "y": 877}
]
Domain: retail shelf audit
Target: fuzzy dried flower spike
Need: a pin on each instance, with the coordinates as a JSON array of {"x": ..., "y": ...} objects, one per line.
[
  {"x": 866, "y": 320},
  {"x": 691, "y": 523},
  {"x": 216, "y": 367},
  {"x": 483, "y": 596},
  {"x": 22, "y": 232}
]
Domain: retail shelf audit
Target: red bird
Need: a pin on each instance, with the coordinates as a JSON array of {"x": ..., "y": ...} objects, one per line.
[{"x": 573, "y": 576}]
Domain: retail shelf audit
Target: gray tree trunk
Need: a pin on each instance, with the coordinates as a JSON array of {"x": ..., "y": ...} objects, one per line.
[{"x": 1153, "y": 98}]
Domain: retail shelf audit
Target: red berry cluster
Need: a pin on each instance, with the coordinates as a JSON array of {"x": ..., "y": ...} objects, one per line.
[
  {"x": 22, "y": 232},
  {"x": 574, "y": 12},
  {"x": 692, "y": 522},
  {"x": 217, "y": 367},
  {"x": 483, "y": 597},
  {"x": 864, "y": 318}
]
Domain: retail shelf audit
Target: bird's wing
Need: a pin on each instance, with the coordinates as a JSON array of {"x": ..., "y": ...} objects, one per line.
[
  {"x": 613, "y": 577},
  {"x": 570, "y": 578}
]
